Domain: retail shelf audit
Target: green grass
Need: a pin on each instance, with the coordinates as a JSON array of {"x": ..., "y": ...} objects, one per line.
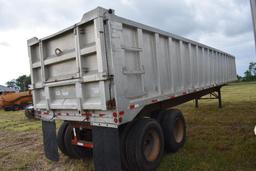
[
  {"x": 16, "y": 121},
  {"x": 217, "y": 139},
  {"x": 21, "y": 146}
]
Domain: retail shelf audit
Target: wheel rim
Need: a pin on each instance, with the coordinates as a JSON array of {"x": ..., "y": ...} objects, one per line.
[
  {"x": 151, "y": 145},
  {"x": 178, "y": 131}
]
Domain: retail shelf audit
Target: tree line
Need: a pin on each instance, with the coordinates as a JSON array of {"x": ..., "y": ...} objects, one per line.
[
  {"x": 249, "y": 74},
  {"x": 21, "y": 83}
]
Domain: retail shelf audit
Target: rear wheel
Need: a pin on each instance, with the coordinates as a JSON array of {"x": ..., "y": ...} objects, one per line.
[
  {"x": 30, "y": 113},
  {"x": 60, "y": 137},
  {"x": 16, "y": 107},
  {"x": 7, "y": 108},
  {"x": 75, "y": 151},
  {"x": 124, "y": 130},
  {"x": 144, "y": 145},
  {"x": 158, "y": 115},
  {"x": 174, "y": 129}
]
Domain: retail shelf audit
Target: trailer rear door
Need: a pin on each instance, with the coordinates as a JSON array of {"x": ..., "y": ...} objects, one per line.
[{"x": 69, "y": 68}]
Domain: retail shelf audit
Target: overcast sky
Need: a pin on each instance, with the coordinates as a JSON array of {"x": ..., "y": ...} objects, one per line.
[{"x": 223, "y": 24}]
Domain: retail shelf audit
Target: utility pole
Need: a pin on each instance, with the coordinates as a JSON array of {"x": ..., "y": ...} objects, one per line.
[{"x": 253, "y": 9}]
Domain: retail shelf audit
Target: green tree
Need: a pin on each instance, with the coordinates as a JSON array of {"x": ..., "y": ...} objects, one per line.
[
  {"x": 248, "y": 76},
  {"x": 22, "y": 82},
  {"x": 252, "y": 68},
  {"x": 11, "y": 84},
  {"x": 239, "y": 78}
]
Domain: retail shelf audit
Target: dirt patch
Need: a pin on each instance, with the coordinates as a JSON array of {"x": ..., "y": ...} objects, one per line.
[{"x": 14, "y": 145}]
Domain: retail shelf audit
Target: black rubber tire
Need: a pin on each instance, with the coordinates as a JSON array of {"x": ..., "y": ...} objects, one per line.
[
  {"x": 16, "y": 108},
  {"x": 123, "y": 133},
  {"x": 135, "y": 145},
  {"x": 158, "y": 115},
  {"x": 7, "y": 109},
  {"x": 30, "y": 113},
  {"x": 60, "y": 138},
  {"x": 74, "y": 151},
  {"x": 173, "y": 140}
]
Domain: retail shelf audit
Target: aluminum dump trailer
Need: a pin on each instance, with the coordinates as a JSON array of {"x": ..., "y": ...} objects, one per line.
[{"x": 115, "y": 80}]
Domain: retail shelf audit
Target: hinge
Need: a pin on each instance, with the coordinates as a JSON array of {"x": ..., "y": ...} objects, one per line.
[
  {"x": 105, "y": 21},
  {"x": 75, "y": 31},
  {"x": 111, "y": 104},
  {"x": 108, "y": 76}
]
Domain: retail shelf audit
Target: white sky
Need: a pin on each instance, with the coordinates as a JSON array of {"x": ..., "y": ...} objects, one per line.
[{"x": 223, "y": 24}]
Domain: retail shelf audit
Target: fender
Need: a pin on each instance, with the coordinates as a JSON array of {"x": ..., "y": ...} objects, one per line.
[{"x": 49, "y": 139}]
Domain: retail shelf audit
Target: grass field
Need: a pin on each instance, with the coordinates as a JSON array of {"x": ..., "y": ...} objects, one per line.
[{"x": 217, "y": 139}]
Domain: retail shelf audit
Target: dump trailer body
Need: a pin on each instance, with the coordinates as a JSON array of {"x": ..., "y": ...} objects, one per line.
[
  {"x": 105, "y": 69},
  {"x": 15, "y": 100}
]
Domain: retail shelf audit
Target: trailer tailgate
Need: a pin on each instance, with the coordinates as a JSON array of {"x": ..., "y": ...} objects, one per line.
[{"x": 69, "y": 68}]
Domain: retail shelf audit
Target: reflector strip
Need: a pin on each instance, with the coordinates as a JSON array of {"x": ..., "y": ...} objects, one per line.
[
  {"x": 74, "y": 132},
  {"x": 172, "y": 97},
  {"x": 84, "y": 144},
  {"x": 154, "y": 100},
  {"x": 102, "y": 114},
  {"x": 133, "y": 106},
  {"x": 80, "y": 144}
]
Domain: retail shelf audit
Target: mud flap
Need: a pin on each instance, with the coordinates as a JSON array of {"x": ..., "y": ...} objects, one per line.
[
  {"x": 106, "y": 151},
  {"x": 50, "y": 142}
]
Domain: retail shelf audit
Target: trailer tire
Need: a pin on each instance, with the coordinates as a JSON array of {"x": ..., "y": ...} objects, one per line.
[
  {"x": 123, "y": 133},
  {"x": 16, "y": 108},
  {"x": 30, "y": 113},
  {"x": 74, "y": 151},
  {"x": 158, "y": 115},
  {"x": 174, "y": 129},
  {"x": 145, "y": 145},
  {"x": 7, "y": 109},
  {"x": 60, "y": 138}
]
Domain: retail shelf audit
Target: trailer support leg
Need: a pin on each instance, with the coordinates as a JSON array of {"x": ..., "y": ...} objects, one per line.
[
  {"x": 219, "y": 98},
  {"x": 106, "y": 149},
  {"x": 196, "y": 102}
]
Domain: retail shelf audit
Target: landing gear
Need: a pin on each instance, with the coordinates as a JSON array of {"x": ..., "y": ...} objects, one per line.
[{"x": 213, "y": 95}]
